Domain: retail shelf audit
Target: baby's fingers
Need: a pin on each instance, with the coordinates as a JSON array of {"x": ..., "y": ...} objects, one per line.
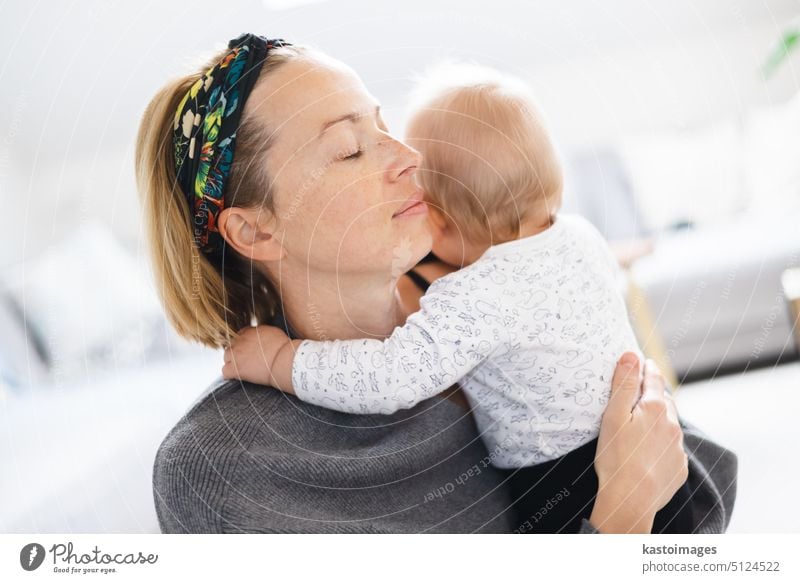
[{"x": 229, "y": 371}]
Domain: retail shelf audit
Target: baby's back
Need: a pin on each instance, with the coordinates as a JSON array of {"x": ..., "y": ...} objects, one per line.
[{"x": 558, "y": 297}]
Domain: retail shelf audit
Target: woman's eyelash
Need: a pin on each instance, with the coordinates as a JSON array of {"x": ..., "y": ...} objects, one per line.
[{"x": 353, "y": 156}]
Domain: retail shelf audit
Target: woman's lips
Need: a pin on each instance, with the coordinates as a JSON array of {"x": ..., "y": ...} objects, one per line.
[{"x": 413, "y": 206}]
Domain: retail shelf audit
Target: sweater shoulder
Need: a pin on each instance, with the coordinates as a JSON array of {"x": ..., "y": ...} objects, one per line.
[
  {"x": 196, "y": 460},
  {"x": 248, "y": 458}
]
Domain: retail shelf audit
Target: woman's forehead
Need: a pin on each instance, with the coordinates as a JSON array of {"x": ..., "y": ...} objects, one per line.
[{"x": 304, "y": 94}]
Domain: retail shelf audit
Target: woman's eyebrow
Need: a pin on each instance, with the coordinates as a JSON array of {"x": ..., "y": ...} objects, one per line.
[{"x": 351, "y": 117}]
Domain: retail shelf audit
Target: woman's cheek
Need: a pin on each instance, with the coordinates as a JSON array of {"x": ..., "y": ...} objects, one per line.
[
  {"x": 350, "y": 220},
  {"x": 366, "y": 244}
]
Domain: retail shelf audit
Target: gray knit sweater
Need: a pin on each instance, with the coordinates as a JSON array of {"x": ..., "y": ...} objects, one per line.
[{"x": 251, "y": 459}]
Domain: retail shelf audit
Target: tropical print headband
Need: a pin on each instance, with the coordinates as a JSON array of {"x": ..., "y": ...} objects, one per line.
[{"x": 204, "y": 132}]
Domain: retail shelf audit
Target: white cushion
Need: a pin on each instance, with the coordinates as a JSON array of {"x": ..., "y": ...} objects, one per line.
[{"x": 90, "y": 302}]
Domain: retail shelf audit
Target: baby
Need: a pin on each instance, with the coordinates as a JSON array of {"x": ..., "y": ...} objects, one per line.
[{"x": 531, "y": 328}]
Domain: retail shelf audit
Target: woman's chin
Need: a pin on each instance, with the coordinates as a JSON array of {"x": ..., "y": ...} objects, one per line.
[
  {"x": 412, "y": 243},
  {"x": 415, "y": 224},
  {"x": 422, "y": 237}
]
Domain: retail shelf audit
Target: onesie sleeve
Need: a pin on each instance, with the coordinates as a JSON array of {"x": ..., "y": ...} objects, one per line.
[{"x": 452, "y": 333}]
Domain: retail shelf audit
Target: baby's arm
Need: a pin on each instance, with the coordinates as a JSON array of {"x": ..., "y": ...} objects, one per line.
[
  {"x": 451, "y": 334},
  {"x": 262, "y": 355}
]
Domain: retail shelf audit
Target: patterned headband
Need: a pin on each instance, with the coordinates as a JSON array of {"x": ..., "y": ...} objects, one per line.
[{"x": 204, "y": 132}]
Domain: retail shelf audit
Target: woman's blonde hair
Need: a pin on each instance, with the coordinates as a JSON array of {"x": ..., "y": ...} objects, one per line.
[
  {"x": 207, "y": 298},
  {"x": 488, "y": 161}
]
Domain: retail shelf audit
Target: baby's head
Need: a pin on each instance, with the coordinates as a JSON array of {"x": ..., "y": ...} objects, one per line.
[{"x": 489, "y": 169}]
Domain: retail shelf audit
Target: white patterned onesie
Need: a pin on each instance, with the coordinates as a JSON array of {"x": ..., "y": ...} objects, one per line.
[{"x": 532, "y": 331}]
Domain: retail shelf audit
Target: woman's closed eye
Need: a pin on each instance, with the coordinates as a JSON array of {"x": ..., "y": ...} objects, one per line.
[{"x": 352, "y": 155}]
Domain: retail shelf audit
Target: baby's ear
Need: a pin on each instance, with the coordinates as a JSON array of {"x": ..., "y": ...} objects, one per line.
[{"x": 437, "y": 220}]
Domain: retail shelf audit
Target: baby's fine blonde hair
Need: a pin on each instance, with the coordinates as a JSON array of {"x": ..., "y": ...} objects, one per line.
[{"x": 488, "y": 161}]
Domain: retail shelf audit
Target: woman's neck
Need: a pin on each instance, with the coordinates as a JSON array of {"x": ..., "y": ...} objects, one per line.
[{"x": 328, "y": 306}]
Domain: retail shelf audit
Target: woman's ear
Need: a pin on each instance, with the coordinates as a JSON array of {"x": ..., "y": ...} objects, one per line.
[{"x": 251, "y": 232}]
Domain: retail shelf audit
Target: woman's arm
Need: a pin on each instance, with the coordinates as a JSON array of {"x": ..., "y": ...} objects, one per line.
[{"x": 640, "y": 461}]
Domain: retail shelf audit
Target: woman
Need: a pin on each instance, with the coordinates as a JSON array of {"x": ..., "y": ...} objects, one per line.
[{"x": 311, "y": 226}]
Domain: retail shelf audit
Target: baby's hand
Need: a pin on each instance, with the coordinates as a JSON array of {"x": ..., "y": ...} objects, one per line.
[{"x": 253, "y": 356}]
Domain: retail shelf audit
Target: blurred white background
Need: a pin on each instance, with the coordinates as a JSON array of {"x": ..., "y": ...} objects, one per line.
[{"x": 673, "y": 131}]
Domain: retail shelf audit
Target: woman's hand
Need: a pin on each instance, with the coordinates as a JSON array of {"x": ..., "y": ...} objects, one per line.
[
  {"x": 640, "y": 461},
  {"x": 261, "y": 355}
]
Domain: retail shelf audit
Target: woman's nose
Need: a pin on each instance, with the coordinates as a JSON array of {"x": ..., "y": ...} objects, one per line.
[{"x": 404, "y": 160}]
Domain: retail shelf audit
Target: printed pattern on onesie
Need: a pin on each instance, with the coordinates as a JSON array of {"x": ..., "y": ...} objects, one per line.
[{"x": 531, "y": 331}]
